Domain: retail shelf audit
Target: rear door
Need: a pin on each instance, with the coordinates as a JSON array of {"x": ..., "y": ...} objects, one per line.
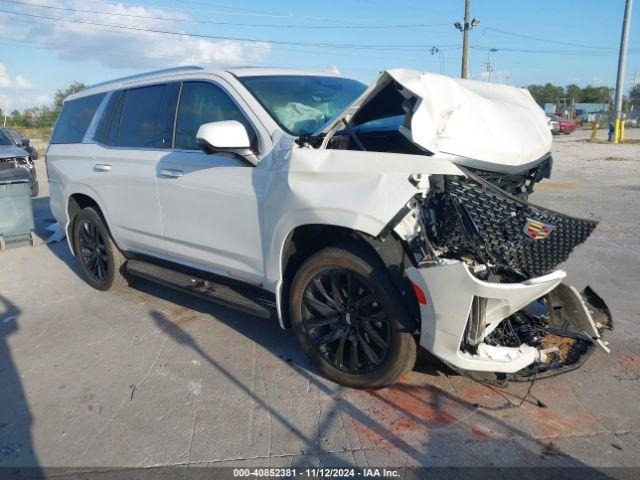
[
  {"x": 210, "y": 203},
  {"x": 132, "y": 139}
]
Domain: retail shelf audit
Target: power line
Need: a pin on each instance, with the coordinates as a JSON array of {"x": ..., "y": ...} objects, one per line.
[
  {"x": 237, "y": 39},
  {"x": 246, "y": 13},
  {"x": 306, "y": 51},
  {"x": 555, "y": 42},
  {"x": 235, "y": 24},
  {"x": 583, "y": 53}
]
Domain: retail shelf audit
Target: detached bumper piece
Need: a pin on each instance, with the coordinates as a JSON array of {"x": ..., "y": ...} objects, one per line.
[
  {"x": 566, "y": 325},
  {"x": 499, "y": 229},
  {"x": 507, "y": 331}
]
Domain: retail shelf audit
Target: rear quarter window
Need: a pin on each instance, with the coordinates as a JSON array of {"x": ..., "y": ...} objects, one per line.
[{"x": 74, "y": 119}]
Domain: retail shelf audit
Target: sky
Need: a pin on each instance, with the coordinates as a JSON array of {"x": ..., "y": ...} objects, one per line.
[{"x": 47, "y": 44}]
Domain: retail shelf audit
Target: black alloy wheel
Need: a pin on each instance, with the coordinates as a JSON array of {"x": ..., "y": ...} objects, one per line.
[
  {"x": 345, "y": 322},
  {"x": 93, "y": 251}
]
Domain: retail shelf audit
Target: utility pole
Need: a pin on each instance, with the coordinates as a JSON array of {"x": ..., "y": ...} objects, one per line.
[
  {"x": 464, "y": 27},
  {"x": 465, "y": 41},
  {"x": 490, "y": 65},
  {"x": 622, "y": 63}
]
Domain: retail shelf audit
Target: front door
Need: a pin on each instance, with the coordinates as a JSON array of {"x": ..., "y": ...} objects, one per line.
[{"x": 211, "y": 203}]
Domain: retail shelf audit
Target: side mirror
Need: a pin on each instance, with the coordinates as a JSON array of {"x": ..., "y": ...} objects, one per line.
[
  {"x": 25, "y": 142},
  {"x": 228, "y": 136}
]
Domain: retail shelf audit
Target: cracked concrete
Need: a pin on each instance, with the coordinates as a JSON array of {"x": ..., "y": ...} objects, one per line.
[{"x": 148, "y": 377}]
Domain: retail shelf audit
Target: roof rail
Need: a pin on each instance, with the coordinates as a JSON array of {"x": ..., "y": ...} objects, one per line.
[{"x": 147, "y": 74}]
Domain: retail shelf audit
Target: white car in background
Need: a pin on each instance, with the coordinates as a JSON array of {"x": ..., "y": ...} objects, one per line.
[
  {"x": 554, "y": 126},
  {"x": 372, "y": 220}
]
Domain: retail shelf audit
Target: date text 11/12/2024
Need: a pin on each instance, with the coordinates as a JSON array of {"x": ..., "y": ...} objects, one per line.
[{"x": 316, "y": 472}]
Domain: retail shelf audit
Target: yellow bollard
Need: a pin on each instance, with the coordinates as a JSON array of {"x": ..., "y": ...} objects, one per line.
[
  {"x": 621, "y": 131},
  {"x": 594, "y": 131},
  {"x": 616, "y": 130}
]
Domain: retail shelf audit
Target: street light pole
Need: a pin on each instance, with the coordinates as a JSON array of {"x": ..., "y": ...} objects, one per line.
[
  {"x": 435, "y": 50},
  {"x": 465, "y": 41},
  {"x": 464, "y": 27},
  {"x": 622, "y": 63}
]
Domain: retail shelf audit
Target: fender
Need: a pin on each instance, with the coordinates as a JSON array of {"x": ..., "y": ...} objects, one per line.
[{"x": 82, "y": 189}]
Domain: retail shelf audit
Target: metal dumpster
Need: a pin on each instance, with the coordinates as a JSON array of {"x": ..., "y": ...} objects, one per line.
[{"x": 16, "y": 211}]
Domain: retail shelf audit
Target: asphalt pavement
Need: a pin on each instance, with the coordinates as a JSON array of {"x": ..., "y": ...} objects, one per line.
[{"x": 148, "y": 377}]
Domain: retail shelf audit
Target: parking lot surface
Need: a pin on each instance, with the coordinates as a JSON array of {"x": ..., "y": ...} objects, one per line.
[{"x": 150, "y": 377}]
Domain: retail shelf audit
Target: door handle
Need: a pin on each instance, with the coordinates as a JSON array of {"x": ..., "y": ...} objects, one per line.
[
  {"x": 101, "y": 167},
  {"x": 169, "y": 173}
]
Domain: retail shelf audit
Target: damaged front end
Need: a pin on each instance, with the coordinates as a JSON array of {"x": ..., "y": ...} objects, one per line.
[
  {"x": 493, "y": 299},
  {"x": 489, "y": 294}
]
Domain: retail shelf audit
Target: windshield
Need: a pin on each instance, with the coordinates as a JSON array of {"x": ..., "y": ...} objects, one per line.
[
  {"x": 4, "y": 139},
  {"x": 303, "y": 104},
  {"x": 14, "y": 135}
]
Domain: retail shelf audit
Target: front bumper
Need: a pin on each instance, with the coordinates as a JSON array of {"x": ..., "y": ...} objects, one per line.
[{"x": 461, "y": 311}]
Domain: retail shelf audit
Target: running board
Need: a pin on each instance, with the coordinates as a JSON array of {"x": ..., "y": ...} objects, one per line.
[{"x": 247, "y": 299}]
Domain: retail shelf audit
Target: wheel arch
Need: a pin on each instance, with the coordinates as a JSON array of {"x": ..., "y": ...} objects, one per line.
[{"x": 305, "y": 240}]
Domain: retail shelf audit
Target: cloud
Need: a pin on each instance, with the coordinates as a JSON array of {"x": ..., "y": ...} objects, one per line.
[
  {"x": 43, "y": 99},
  {"x": 5, "y": 80},
  {"x": 16, "y": 83},
  {"x": 16, "y": 93},
  {"x": 21, "y": 100},
  {"x": 120, "y": 48},
  {"x": 21, "y": 83}
]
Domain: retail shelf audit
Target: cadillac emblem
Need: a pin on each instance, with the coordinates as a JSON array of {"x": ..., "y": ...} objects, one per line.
[{"x": 536, "y": 230}]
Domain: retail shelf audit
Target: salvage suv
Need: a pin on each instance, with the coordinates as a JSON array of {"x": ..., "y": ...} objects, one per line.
[{"x": 370, "y": 220}]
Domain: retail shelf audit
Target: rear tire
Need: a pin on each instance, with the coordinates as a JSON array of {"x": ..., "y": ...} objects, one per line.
[
  {"x": 342, "y": 300},
  {"x": 102, "y": 262}
]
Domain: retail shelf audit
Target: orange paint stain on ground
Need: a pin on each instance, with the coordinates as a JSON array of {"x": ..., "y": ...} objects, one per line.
[
  {"x": 630, "y": 363},
  {"x": 425, "y": 405},
  {"x": 479, "y": 433},
  {"x": 186, "y": 319},
  {"x": 369, "y": 438}
]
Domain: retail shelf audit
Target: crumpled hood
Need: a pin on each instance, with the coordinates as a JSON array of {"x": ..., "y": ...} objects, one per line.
[
  {"x": 10, "y": 151},
  {"x": 481, "y": 121}
]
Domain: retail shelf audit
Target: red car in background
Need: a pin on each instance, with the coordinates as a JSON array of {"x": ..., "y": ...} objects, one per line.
[{"x": 566, "y": 126}]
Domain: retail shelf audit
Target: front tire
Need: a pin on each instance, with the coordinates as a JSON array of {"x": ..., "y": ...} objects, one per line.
[
  {"x": 102, "y": 262},
  {"x": 350, "y": 319}
]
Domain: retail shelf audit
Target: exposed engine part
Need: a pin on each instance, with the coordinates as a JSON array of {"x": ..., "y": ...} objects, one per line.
[{"x": 473, "y": 218}]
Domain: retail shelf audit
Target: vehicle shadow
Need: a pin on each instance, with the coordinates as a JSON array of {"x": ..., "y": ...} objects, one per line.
[
  {"x": 18, "y": 458},
  {"x": 437, "y": 416}
]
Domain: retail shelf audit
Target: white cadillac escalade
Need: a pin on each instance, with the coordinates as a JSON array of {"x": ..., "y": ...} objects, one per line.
[{"x": 370, "y": 220}]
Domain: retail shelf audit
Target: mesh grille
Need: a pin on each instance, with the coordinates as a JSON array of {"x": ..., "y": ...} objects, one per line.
[{"x": 496, "y": 223}]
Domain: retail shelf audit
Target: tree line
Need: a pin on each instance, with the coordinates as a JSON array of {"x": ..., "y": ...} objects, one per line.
[
  {"x": 550, "y": 93},
  {"x": 43, "y": 115}
]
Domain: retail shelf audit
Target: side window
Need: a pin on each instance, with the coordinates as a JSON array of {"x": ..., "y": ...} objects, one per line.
[
  {"x": 203, "y": 102},
  {"x": 74, "y": 119},
  {"x": 114, "y": 122},
  {"x": 106, "y": 118},
  {"x": 140, "y": 120}
]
